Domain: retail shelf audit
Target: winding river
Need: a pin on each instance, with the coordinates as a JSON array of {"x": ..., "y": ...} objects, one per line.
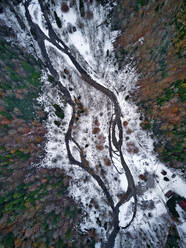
[{"x": 117, "y": 143}]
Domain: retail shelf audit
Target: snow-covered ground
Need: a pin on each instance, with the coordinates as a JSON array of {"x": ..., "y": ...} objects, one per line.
[{"x": 92, "y": 45}]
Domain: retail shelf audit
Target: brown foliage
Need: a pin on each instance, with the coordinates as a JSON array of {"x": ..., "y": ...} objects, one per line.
[
  {"x": 96, "y": 130},
  {"x": 125, "y": 123},
  {"x": 64, "y": 8},
  {"x": 92, "y": 233},
  {"x": 107, "y": 161},
  {"x": 171, "y": 114},
  {"x": 142, "y": 177},
  {"x": 132, "y": 148},
  {"x": 18, "y": 242},
  {"x": 99, "y": 147},
  {"x": 86, "y": 162},
  {"x": 101, "y": 139},
  {"x": 129, "y": 131}
]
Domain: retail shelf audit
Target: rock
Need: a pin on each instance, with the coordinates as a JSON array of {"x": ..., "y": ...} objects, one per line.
[
  {"x": 166, "y": 179},
  {"x": 163, "y": 172},
  {"x": 150, "y": 215}
]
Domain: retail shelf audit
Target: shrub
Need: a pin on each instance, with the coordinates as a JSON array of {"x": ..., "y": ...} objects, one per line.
[
  {"x": 89, "y": 15},
  {"x": 58, "y": 111},
  {"x": 64, "y": 8}
]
